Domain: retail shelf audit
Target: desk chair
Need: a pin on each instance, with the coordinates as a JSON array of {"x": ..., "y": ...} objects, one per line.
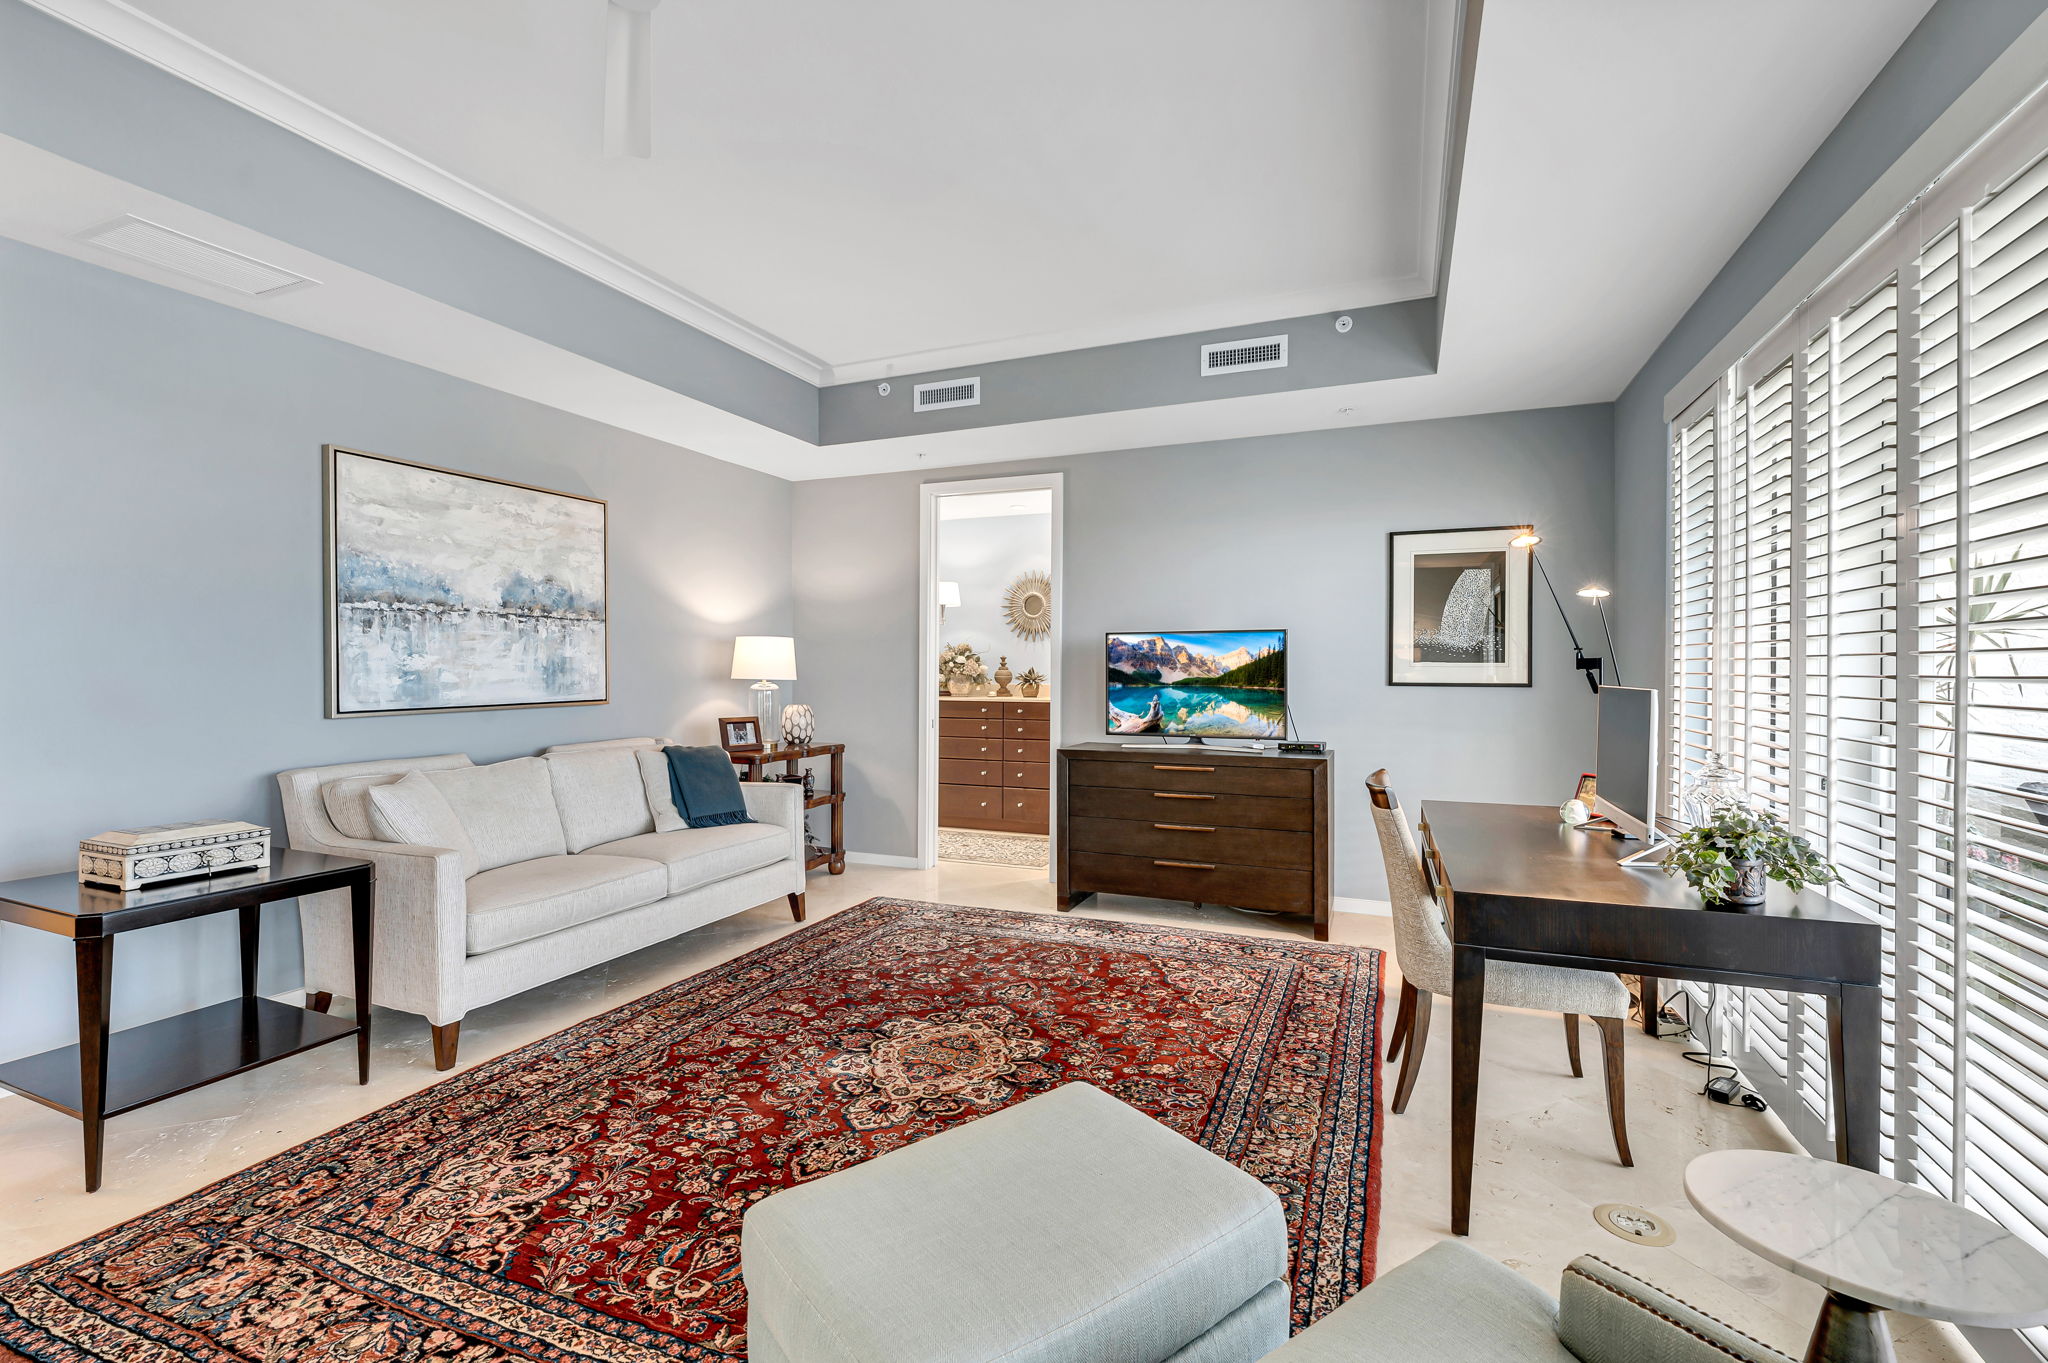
[{"x": 1422, "y": 947}]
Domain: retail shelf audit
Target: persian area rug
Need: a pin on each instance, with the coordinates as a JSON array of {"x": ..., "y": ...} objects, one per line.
[
  {"x": 995, "y": 849},
  {"x": 580, "y": 1199}
]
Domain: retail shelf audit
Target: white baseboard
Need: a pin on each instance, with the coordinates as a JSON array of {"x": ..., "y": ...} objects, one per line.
[
  {"x": 881, "y": 859},
  {"x": 1377, "y": 908}
]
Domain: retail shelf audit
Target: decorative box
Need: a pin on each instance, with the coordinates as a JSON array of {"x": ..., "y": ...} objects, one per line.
[{"x": 129, "y": 858}]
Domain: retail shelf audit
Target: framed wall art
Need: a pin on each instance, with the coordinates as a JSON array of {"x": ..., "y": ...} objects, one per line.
[
  {"x": 1457, "y": 608},
  {"x": 454, "y": 591}
]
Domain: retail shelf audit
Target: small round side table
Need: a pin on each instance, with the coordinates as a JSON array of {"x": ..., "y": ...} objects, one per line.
[{"x": 1874, "y": 1243}]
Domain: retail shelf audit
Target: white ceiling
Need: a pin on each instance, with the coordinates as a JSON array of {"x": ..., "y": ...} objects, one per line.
[
  {"x": 1618, "y": 153},
  {"x": 897, "y": 184}
]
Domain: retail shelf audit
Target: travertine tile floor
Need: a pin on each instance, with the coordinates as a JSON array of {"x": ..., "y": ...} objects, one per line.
[{"x": 1545, "y": 1156}]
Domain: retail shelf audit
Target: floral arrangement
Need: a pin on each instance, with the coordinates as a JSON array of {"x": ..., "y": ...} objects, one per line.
[{"x": 960, "y": 665}]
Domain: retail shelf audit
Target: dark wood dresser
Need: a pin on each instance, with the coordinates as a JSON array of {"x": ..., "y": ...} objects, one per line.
[
  {"x": 1205, "y": 824},
  {"x": 995, "y": 764}
]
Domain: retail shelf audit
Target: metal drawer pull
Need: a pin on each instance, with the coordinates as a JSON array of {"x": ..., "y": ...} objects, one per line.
[
  {"x": 1185, "y": 827},
  {"x": 1178, "y": 795},
  {"x": 1168, "y": 766},
  {"x": 1187, "y": 865}
]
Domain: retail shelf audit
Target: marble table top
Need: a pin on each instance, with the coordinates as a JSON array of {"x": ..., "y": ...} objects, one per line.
[{"x": 1872, "y": 1238}]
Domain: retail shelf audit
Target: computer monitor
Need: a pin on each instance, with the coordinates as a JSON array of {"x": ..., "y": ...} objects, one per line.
[{"x": 1626, "y": 759}]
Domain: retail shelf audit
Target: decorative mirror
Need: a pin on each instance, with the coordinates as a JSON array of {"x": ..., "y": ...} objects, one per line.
[{"x": 1028, "y": 605}]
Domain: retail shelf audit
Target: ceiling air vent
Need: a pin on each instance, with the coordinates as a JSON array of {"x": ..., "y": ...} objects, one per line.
[
  {"x": 1235, "y": 357},
  {"x": 155, "y": 244},
  {"x": 930, "y": 397}
]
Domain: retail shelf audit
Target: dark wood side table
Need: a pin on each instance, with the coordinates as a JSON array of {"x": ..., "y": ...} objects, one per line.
[
  {"x": 832, "y": 858},
  {"x": 1520, "y": 886},
  {"x": 108, "y": 1073}
]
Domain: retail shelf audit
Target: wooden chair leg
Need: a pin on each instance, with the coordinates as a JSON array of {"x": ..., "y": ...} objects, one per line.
[
  {"x": 796, "y": 906},
  {"x": 446, "y": 1037},
  {"x": 1411, "y": 1053},
  {"x": 320, "y": 1001},
  {"x": 1571, "y": 1044},
  {"x": 1403, "y": 1020},
  {"x": 1617, "y": 1087}
]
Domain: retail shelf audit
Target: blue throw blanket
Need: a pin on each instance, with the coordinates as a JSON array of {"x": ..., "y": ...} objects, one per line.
[{"x": 705, "y": 787}]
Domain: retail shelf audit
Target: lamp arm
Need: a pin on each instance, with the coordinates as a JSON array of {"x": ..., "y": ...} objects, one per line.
[
  {"x": 1611, "y": 655},
  {"x": 1557, "y": 603}
]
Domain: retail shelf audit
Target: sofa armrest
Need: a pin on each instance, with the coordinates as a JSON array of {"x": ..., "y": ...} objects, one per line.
[
  {"x": 419, "y": 929},
  {"x": 780, "y": 803},
  {"x": 1608, "y": 1315}
]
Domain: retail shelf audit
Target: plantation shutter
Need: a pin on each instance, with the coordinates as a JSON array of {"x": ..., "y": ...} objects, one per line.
[{"x": 1691, "y": 711}]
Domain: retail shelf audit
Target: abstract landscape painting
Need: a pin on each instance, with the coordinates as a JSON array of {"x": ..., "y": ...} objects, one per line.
[{"x": 450, "y": 591}]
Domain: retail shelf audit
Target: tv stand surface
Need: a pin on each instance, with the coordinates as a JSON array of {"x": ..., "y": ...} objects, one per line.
[{"x": 1208, "y": 825}]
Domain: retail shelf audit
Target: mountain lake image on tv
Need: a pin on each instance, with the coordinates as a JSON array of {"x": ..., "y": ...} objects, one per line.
[{"x": 1215, "y": 684}]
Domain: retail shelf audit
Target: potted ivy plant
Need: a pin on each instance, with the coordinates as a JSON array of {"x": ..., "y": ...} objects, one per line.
[{"x": 1729, "y": 856}]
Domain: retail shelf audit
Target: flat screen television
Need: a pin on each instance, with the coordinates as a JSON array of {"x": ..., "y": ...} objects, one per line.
[{"x": 1200, "y": 684}]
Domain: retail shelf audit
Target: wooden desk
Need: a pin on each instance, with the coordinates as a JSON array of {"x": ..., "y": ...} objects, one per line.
[
  {"x": 108, "y": 1072},
  {"x": 1518, "y": 885}
]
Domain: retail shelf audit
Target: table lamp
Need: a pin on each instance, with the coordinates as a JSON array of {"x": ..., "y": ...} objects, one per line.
[{"x": 764, "y": 656}]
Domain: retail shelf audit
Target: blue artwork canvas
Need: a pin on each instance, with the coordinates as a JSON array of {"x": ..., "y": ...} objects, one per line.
[{"x": 450, "y": 591}]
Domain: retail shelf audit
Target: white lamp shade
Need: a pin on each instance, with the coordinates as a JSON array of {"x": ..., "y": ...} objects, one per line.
[
  {"x": 765, "y": 657},
  {"x": 949, "y": 593}
]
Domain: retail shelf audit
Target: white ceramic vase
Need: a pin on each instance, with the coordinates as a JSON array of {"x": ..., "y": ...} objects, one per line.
[{"x": 798, "y": 725}]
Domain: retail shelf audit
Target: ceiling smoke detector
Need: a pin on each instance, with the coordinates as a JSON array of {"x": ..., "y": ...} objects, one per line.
[{"x": 152, "y": 243}]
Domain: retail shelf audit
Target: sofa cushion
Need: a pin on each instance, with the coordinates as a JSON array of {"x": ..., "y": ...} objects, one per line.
[
  {"x": 530, "y": 899},
  {"x": 1068, "y": 1226},
  {"x": 508, "y": 809},
  {"x": 599, "y": 796},
  {"x": 702, "y": 856},
  {"x": 1449, "y": 1303},
  {"x": 347, "y": 802},
  {"x": 413, "y": 810},
  {"x": 660, "y": 795}
]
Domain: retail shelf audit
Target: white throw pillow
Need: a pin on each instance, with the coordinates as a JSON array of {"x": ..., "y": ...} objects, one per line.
[
  {"x": 414, "y": 811},
  {"x": 348, "y": 803},
  {"x": 660, "y": 795}
]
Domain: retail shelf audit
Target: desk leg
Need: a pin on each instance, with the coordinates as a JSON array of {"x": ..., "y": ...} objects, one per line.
[
  {"x": 252, "y": 937},
  {"x": 95, "y": 960},
  {"x": 1468, "y": 1015},
  {"x": 1647, "y": 986},
  {"x": 361, "y": 906},
  {"x": 1855, "y": 1043}
]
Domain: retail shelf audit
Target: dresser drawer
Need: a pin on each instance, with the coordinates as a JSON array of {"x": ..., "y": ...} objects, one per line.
[
  {"x": 1040, "y": 729},
  {"x": 975, "y": 748},
  {"x": 1037, "y": 750},
  {"x": 1027, "y": 709},
  {"x": 1246, "y": 887},
  {"x": 1026, "y": 775},
  {"x": 979, "y": 803},
  {"x": 970, "y": 709},
  {"x": 1190, "y": 773},
  {"x": 1033, "y": 807},
  {"x": 966, "y": 771},
  {"x": 964, "y": 727},
  {"x": 1160, "y": 806},
  {"x": 1190, "y": 840}
]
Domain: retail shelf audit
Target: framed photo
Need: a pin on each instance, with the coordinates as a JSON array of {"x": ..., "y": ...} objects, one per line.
[
  {"x": 740, "y": 734},
  {"x": 453, "y": 591},
  {"x": 1457, "y": 608}
]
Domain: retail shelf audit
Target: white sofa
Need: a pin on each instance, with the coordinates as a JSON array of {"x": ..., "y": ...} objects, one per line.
[{"x": 580, "y": 855}]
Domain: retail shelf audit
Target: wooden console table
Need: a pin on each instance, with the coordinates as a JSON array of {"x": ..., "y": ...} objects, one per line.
[
  {"x": 832, "y": 858},
  {"x": 108, "y": 1073}
]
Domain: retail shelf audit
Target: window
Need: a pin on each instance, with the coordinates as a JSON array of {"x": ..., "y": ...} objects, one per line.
[{"x": 1859, "y": 624}]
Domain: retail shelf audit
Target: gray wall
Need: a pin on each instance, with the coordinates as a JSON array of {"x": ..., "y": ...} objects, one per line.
[
  {"x": 160, "y": 546},
  {"x": 984, "y": 554},
  {"x": 1947, "y": 51},
  {"x": 1283, "y": 531}
]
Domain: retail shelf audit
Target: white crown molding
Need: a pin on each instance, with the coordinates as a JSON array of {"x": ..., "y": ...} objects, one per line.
[
  {"x": 136, "y": 33},
  {"x": 1185, "y": 322}
]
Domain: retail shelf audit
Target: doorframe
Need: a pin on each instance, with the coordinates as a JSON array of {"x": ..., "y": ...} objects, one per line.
[{"x": 928, "y": 640}]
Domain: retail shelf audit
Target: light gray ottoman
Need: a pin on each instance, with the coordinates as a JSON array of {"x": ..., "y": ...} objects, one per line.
[{"x": 1069, "y": 1228}]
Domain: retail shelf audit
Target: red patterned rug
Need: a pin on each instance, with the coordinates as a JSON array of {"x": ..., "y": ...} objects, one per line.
[{"x": 580, "y": 1199}]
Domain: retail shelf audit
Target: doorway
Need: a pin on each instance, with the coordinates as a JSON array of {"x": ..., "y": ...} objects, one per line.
[{"x": 989, "y": 667}]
